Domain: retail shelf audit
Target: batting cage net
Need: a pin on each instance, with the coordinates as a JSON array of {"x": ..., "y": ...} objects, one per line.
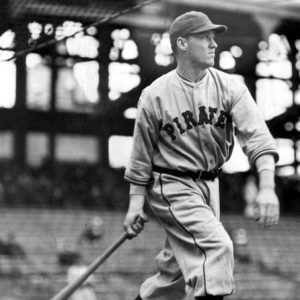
[{"x": 71, "y": 73}]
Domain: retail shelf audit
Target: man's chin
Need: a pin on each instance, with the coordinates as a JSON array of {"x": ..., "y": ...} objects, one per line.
[
  {"x": 211, "y": 64},
  {"x": 207, "y": 64}
]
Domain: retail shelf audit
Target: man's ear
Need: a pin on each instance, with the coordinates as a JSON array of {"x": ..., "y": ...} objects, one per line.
[{"x": 182, "y": 43}]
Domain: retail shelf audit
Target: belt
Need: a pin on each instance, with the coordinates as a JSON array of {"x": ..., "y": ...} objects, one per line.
[{"x": 204, "y": 175}]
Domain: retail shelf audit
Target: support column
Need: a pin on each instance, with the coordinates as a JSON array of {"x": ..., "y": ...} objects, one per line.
[
  {"x": 52, "y": 132},
  {"x": 20, "y": 125},
  {"x": 295, "y": 83},
  {"x": 103, "y": 59}
]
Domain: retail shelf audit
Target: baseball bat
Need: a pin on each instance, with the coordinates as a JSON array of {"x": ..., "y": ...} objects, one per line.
[{"x": 69, "y": 289}]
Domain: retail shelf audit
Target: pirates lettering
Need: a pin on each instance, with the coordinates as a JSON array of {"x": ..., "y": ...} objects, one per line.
[
  {"x": 222, "y": 119},
  {"x": 169, "y": 128},
  {"x": 207, "y": 116},
  {"x": 203, "y": 118},
  {"x": 189, "y": 119},
  {"x": 179, "y": 126}
]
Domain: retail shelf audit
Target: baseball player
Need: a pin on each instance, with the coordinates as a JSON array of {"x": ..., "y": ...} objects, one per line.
[{"x": 183, "y": 135}]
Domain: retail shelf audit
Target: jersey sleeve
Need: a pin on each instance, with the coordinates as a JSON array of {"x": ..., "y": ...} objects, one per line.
[
  {"x": 251, "y": 129},
  {"x": 145, "y": 136}
]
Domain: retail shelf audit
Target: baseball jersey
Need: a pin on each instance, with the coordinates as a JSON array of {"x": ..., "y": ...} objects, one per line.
[{"x": 190, "y": 126}]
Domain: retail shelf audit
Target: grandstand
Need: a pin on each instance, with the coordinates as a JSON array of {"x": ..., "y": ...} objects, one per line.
[{"x": 268, "y": 267}]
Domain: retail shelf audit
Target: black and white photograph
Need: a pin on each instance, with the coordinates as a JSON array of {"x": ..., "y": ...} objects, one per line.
[{"x": 149, "y": 150}]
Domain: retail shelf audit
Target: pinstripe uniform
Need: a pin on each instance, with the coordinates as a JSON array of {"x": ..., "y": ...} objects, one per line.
[{"x": 188, "y": 126}]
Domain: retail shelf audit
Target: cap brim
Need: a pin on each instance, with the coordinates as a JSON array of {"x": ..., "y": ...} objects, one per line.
[{"x": 211, "y": 27}]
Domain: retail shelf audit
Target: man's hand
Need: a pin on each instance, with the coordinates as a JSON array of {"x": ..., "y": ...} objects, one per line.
[
  {"x": 135, "y": 217},
  {"x": 267, "y": 206}
]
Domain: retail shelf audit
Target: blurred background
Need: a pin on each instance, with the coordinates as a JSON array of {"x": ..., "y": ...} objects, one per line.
[{"x": 71, "y": 74}]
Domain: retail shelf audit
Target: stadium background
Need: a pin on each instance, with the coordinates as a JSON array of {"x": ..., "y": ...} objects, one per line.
[{"x": 70, "y": 78}]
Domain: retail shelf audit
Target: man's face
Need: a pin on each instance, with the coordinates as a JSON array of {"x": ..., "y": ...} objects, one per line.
[{"x": 201, "y": 49}]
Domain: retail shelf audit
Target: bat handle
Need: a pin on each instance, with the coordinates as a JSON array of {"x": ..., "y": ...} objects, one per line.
[{"x": 141, "y": 220}]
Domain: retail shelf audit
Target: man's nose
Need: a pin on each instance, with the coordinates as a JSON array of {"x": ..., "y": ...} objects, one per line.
[{"x": 213, "y": 44}]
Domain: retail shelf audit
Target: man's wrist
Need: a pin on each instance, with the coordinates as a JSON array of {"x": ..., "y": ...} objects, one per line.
[
  {"x": 268, "y": 186},
  {"x": 266, "y": 179},
  {"x": 137, "y": 189},
  {"x": 136, "y": 202}
]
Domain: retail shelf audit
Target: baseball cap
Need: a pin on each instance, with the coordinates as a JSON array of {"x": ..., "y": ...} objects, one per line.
[{"x": 193, "y": 22}]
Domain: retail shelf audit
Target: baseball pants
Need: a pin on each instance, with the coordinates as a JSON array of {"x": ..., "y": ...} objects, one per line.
[{"x": 198, "y": 253}]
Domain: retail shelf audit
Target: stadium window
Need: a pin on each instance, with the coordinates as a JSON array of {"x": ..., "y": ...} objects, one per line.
[
  {"x": 229, "y": 59},
  {"x": 35, "y": 29},
  {"x": 83, "y": 46},
  {"x": 38, "y": 82},
  {"x": 7, "y": 70},
  {"x": 238, "y": 161},
  {"x": 297, "y": 44},
  {"x": 163, "y": 51},
  {"x": 278, "y": 69},
  {"x": 297, "y": 125},
  {"x": 7, "y": 39},
  {"x": 298, "y": 151},
  {"x": 298, "y": 170},
  {"x": 130, "y": 113},
  {"x": 78, "y": 73},
  {"x": 286, "y": 151},
  {"x": 286, "y": 171},
  {"x": 276, "y": 48},
  {"x": 130, "y": 50},
  {"x": 274, "y": 93},
  {"x": 226, "y": 60},
  {"x": 297, "y": 96},
  {"x": 76, "y": 148},
  {"x": 37, "y": 148},
  {"x": 8, "y": 82},
  {"x": 236, "y": 51},
  {"x": 123, "y": 77},
  {"x": 123, "y": 46},
  {"x": 7, "y": 143},
  {"x": 68, "y": 28},
  {"x": 273, "y": 88},
  {"x": 273, "y": 96},
  {"x": 117, "y": 158},
  {"x": 77, "y": 86}
]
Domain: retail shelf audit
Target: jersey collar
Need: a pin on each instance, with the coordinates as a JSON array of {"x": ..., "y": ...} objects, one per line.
[{"x": 188, "y": 82}]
